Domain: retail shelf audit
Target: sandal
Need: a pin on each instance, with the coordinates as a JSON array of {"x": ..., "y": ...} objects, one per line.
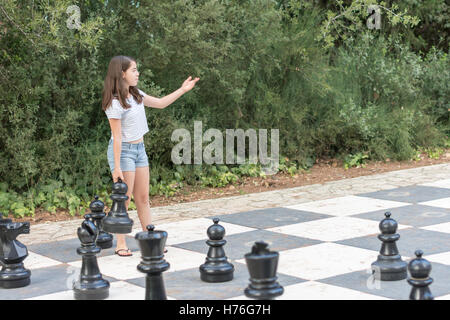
[{"x": 123, "y": 255}]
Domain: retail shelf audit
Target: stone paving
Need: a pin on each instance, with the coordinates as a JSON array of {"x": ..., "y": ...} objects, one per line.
[{"x": 57, "y": 231}]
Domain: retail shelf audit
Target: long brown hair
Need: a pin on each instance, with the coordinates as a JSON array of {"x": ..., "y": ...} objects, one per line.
[{"x": 114, "y": 85}]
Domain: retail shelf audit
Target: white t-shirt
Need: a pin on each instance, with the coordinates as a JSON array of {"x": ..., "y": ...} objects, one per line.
[{"x": 133, "y": 120}]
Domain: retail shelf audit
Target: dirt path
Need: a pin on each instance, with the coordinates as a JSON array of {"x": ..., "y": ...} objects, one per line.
[{"x": 322, "y": 171}]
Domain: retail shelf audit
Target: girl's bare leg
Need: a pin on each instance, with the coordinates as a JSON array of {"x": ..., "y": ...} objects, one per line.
[{"x": 141, "y": 196}]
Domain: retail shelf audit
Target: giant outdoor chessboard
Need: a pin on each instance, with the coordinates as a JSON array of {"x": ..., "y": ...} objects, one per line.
[{"x": 326, "y": 250}]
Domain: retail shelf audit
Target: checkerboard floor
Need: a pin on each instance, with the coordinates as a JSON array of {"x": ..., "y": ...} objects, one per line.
[{"x": 326, "y": 249}]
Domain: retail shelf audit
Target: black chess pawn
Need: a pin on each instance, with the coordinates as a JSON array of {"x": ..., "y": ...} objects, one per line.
[
  {"x": 216, "y": 267},
  {"x": 419, "y": 269},
  {"x": 262, "y": 266},
  {"x": 91, "y": 285},
  {"x": 389, "y": 265},
  {"x": 12, "y": 254},
  {"x": 104, "y": 239},
  {"x": 153, "y": 264},
  {"x": 117, "y": 220}
]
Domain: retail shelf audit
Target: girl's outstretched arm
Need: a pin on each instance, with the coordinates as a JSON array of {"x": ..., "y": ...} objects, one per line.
[{"x": 163, "y": 102}]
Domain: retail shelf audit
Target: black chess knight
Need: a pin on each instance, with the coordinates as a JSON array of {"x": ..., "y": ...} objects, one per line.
[
  {"x": 12, "y": 254},
  {"x": 104, "y": 239},
  {"x": 117, "y": 220},
  {"x": 262, "y": 266},
  {"x": 216, "y": 267},
  {"x": 91, "y": 285},
  {"x": 389, "y": 265}
]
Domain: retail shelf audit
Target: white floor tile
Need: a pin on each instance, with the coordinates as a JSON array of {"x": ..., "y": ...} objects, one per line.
[
  {"x": 36, "y": 261},
  {"x": 441, "y": 203},
  {"x": 193, "y": 230},
  {"x": 121, "y": 268},
  {"x": 119, "y": 290},
  {"x": 122, "y": 290},
  {"x": 440, "y": 184},
  {"x": 62, "y": 295},
  {"x": 324, "y": 260},
  {"x": 312, "y": 290},
  {"x": 125, "y": 268},
  {"x": 346, "y": 206},
  {"x": 181, "y": 259},
  {"x": 332, "y": 229},
  {"x": 443, "y": 258},
  {"x": 440, "y": 227},
  {"x": 243, "y": 297}
]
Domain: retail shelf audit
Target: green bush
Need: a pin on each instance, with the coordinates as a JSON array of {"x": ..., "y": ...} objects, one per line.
[
  {"x": 380, "y": 104},
  {"x": 263, "y": 64}
]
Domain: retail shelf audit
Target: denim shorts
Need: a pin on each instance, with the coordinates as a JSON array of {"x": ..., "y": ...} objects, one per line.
[{"x": 132, "y": 155}]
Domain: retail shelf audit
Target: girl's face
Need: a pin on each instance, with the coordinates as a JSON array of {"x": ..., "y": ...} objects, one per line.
[{"x": 131, "y": 76}]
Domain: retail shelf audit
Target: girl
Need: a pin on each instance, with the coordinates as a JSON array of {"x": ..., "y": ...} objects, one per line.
[{"x": 124, "y": 104}]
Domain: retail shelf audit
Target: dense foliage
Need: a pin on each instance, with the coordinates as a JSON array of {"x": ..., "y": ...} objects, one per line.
[{"x": 312, "y": 69}]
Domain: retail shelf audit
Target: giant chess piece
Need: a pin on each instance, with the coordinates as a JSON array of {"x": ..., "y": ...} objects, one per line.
[
  {"x": 104, "y": 239},
  {"x": 12, "y": 253},
  {"x": 262, "y": 266},
  {"x": 216, "y": 267},
  {"x": 389, "y": 265},
  {"x": 153, "y": 264},
  {"x": 91, "y": 285},
  {"x": 117, "y": 220},
  {"x": 420, "y": 280},
  {"x": 3, "y": 220}
]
